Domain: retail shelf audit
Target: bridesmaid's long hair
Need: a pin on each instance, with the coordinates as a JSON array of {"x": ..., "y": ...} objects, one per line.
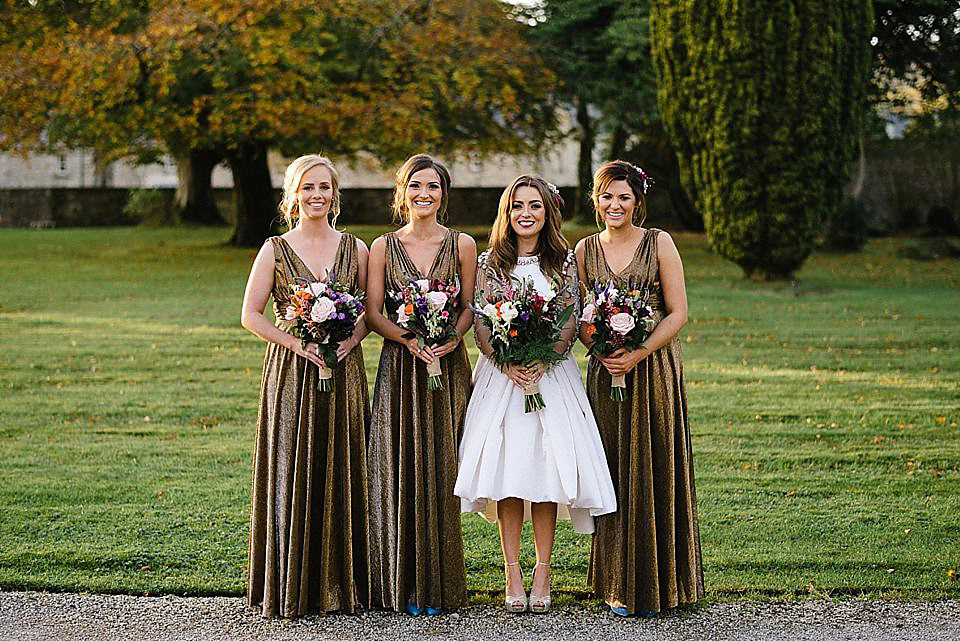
[
  {"x": 636, "y": 178},
  {"x": 291, "y": 183},
  {"x": 408, "y": 169},
  {"x": 551, "y": 245}
]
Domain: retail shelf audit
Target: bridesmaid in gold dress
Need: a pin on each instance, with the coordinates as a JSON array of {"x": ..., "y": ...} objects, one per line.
[
  {"x": 308, "y": 522},
  {"x": 645, "y": 556},
  {"x": 416, "y": 550}
]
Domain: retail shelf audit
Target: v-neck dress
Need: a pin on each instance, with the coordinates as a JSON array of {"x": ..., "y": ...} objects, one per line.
[
  {"x": 415, "y": 540},
  {"x": 646, "y": 555},
  {"x": 308, "y": 521}
]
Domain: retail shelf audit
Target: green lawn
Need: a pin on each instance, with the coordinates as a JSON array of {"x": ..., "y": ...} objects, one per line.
[{"x": 824, "y": 418}]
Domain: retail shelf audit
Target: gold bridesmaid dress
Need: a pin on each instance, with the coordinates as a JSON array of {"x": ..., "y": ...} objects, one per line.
[
  {"x": 416, "y": 549},
  {"x": 646, "y": 555},
  {"x": 308, "y": 522}
]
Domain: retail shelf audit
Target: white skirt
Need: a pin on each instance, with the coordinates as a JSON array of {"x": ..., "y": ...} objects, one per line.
[{"x": 550, "y": 456}]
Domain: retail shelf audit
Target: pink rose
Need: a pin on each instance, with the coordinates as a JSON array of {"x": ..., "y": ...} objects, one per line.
[
  {"x": 588, "y": 311},
  {"x": 291, "y": 312},
  {"x": 437, "y": 299},
  {"x": 322, "y": 309},
  {"x": 622, "y": 323}
]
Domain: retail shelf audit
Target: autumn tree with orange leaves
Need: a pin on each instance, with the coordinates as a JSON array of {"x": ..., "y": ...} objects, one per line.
[{"x": 205, "y": 79}]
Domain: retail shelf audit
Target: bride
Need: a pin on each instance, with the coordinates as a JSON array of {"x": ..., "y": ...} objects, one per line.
[{"x": 515, "y": 464}]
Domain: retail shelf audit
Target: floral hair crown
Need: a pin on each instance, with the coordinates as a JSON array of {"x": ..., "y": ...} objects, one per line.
[
  {"x": 645, "y": 180},
  {"x": 552, "y": 187}
]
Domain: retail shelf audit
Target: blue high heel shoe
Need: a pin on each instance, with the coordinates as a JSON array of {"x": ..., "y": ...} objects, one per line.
[
  {"x": 413, "y": 610},
  {"x": 433, "y": 611}
]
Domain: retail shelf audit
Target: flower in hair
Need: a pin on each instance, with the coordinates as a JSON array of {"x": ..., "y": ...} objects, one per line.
[
  {"x": 552, "y": 187},
  {"x": 646, "y": 180}
]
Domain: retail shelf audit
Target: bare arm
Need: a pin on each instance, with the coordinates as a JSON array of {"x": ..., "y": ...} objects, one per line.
[
  {"x": 255, "y": 297},
  {"x": 467, "y": 249},
  {"x": 675, "y": 299},
  {"x": 361, "y": 329},
  {"x": 580, "y": 252},
  {"x": 376, "y": 292}
]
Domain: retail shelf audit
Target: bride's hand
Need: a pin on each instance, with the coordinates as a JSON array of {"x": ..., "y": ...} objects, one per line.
[
  {"x": 518, "y": 374},
  {"x": 536, "y": 371}
]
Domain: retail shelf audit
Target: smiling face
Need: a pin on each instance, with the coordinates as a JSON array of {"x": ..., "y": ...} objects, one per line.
[
  {"x": 616, "y": 204},
  {"x": 527, "y": 212},
  {"x": 423, "y": 194},
  {"x": 315, "y": 192}
]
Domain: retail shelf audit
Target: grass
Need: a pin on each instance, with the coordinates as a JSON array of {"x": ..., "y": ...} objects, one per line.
[{"x": 824, "y": 419}]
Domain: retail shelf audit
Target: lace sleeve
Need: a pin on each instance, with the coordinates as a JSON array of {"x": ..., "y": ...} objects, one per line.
[
  {"x": 480, "y": 332},
  {"x": 570, "y": 295}
]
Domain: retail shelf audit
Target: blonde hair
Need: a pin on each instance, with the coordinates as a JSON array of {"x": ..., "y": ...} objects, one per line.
[
  {"x": 408, "y": 169},
  {"x": 636, "y": 180},
  {"x": 291, "y": 183},
  {"x": 551, "y": 245}
]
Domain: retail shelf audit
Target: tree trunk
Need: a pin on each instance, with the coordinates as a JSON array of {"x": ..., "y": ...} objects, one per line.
[
  {"x": 194, "y": 201},
  {"x": 583, "y": 207},
  {"x": 253, "y": 195},
  {"x": 618, "y": 143}
]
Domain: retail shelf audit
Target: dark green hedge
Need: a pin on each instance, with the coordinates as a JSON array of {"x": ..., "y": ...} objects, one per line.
[{"x": 763, "y": 102}]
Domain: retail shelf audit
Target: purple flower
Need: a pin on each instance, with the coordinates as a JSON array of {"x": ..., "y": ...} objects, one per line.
[{"x": 525, "y": 316}]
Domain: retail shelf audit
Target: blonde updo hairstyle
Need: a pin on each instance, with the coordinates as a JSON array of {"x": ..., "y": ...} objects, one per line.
[
  {"x": 292, "y": 177},
  {"x": 551, "y": 245},
  {"x": 414, "y": 164},
  {"x": 636, "y": 179}
]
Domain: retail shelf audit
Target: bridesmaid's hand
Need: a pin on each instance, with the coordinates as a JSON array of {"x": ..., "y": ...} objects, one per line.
[
  {"x": 622, "y": 361},
  {"x": 345, "y": 348},
  {"x": 446, "y": 348},
  {"x": 519, "y": 375},
  {"x": 310, "y": 353},
  {"x": 413, "y": 346}
]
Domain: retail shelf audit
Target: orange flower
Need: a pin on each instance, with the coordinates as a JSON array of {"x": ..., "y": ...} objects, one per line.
[
  {"x": 591, "y": 329},
  {"x": 408, "y": 310},
  {"x": 513, "y": 332},
  {"x": 304, "y": 294}
]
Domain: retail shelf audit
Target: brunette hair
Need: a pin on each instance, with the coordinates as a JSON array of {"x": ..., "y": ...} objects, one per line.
[
  {"x": 291, "y": 183},
  {"x": 636, "y": 178},
  {"x": 408, "y": 169},
  {"x": 551, "y": 245}
]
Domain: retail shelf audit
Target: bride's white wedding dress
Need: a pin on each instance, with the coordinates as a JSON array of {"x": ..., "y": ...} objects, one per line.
[{"x": 553, "y": 455}]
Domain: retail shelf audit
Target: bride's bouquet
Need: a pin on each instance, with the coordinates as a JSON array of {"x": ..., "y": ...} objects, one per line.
[
  {"x": 325, "y": 313},
  {"x": 428, "y": 308},
  {"x": 616, "y": 319},
  {"x": 524, "y": 326}
]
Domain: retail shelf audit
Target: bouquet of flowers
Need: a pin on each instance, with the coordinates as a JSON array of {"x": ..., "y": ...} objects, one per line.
[
  {"x": 617, "y": 318},
  {"x": 428, "y": 308},
  {"x": 326, "y": 313},
  {"x": 524, "y": 326}
]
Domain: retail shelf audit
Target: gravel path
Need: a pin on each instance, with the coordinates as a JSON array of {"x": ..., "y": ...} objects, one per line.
[{"x": 29, "y": 616}]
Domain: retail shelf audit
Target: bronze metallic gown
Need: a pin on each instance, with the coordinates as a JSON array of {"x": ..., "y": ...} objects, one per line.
[
  {"x": 416, "y": 550},
  {"x": 646, "y": 555},
  {"x": 308, "y": 522}
]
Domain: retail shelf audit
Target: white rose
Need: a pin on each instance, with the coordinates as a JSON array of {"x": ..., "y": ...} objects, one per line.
[
  {"x": 549, "y": 294},
  {"x": 622, "y": 323},
  {"x": 402, "y": 317},
  {"x": 437, "y": 299},
  {"x": 322, "y": 309},
  {"x": 423, "y": 284},
  {"x": 291, "y": 312},
  {"x": 317, "y": 289},
  {"x": 490, "y": 311},
  {"x": 588, "y": 312},
  {"x": 508, "y": 312}
]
